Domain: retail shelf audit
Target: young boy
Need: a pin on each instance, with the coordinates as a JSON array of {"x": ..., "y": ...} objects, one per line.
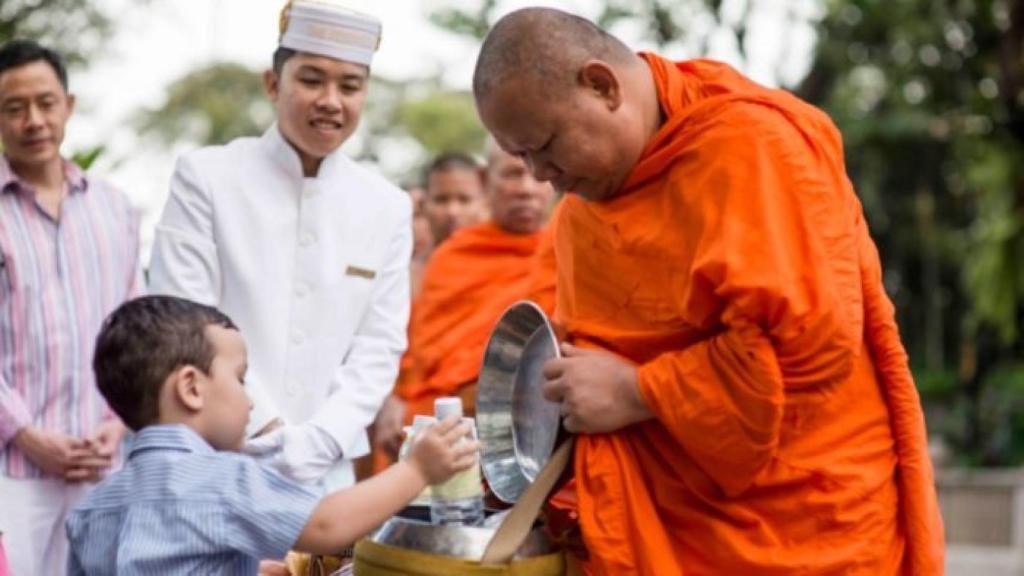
[{"x": 185, "y": 501}]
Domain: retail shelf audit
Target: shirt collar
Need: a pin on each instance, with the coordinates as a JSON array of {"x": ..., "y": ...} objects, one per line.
[
  {"x": 176, "y": 437},
  {"x": 288, "y": 158},
  {"x": 75, "y": 177}
]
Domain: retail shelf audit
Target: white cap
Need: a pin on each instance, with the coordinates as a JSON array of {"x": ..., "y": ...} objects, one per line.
[
  {"x": 327, "y": 28},
  {"x": 448, "y": 406}
]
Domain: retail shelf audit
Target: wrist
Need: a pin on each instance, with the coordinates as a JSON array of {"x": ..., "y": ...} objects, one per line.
[
  {"x": 23, "y": 436},
  {"x": 640, "y": 410},
  {"x": 417, "y": 470}
]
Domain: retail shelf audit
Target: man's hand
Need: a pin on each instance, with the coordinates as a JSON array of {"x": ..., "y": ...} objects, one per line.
[
  {"x": 387, "y": 433},
  {"x": 598, "y": 391},
  {"x": 103, "y": 443},
  {"x": 107, "y": 437},
  {"x": 56, "y": 453},
  {"x": 301, "y": 452}
]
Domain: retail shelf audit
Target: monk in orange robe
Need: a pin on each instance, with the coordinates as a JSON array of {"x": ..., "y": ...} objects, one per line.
[
  {"x": 742, "y": 400},
  {"x": 454, "y": 195},
  {"x": 468, "y": 282}
]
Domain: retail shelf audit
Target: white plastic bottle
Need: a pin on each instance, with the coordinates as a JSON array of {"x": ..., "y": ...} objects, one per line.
[
  {"x": 418, "y": 424},
  {"x": 460, "y": 500}
]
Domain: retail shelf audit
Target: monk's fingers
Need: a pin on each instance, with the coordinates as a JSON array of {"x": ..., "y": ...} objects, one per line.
[
  {"x": 572, "y": 423},
  {"x": 554, "y": 368},
  {"x": 554, "y": 390},
  {"x": 571, "y": 351}
]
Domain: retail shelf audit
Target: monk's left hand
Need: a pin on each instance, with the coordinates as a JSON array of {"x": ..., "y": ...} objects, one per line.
[{"x": 598, "y": 391}]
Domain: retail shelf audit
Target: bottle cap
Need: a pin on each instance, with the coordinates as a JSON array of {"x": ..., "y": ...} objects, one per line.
[{"x": 448, "y": 406}]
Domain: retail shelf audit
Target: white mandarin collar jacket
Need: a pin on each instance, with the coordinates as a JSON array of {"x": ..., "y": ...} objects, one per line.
[{"x": 314, "y": 271}]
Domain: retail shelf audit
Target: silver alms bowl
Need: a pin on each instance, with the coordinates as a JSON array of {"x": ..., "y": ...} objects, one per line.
[{"x": 516, "y": 425}]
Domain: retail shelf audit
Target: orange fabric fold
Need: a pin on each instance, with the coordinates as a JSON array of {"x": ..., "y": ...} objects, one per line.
[
  {"x": 736, "y": 270},
  {"x": 467, "y": 284}
]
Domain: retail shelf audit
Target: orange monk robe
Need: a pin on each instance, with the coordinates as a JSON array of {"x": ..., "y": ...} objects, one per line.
[
  {"x": 469, "y": 281},
  {"x": 539, "y": 286},
  {"x": 736, "y": 270}
]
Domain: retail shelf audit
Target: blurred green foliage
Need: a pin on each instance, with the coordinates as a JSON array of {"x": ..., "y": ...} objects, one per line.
[
  {"x": 210, "y": 105},
  {"x": 76, "y": 28},
  {"x": 929, "y": 95}
]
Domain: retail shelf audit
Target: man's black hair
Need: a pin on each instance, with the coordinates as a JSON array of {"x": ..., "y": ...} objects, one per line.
[{"x": 18, "y": 53}]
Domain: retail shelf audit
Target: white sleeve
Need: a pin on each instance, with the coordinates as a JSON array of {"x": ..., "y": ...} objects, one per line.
[
  {"x": 367, "y": 375},
  {"x": 185, "y": 262}
]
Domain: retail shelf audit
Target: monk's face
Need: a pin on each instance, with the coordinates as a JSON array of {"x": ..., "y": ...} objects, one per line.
[
  {"x": 519, "y": 202},
  {"x": 319, "y": 101},
  {"x": 582, "y": 138},
  {"x": 455, "y": 198}
]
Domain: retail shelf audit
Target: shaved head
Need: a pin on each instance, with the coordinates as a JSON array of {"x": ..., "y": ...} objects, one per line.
[
  {"x": 570, "y": 100},
  {"x": 543, "y": 44}
]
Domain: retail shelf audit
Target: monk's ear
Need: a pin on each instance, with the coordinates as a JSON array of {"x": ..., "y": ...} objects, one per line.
[{"x": 600, "y": 79}]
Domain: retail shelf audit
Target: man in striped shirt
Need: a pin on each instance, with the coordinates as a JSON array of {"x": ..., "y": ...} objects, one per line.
[{"x": 68, "y": 256}]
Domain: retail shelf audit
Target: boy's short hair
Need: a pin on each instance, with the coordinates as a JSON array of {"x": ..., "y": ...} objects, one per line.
[
  {"x": 18, "y": 53},
  {"x": 142, "y": 343}
]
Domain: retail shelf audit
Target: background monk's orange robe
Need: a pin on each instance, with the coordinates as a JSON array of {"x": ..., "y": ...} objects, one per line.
[
  {"x": 468, "y": 283},
  {"x": 737, "y": 271}
]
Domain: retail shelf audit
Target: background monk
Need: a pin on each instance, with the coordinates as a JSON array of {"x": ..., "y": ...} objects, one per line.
[
  {"x": 468, "y": 282},
  {"x": 453, "y": 198},
  {"x": 422, "y": 238},
  {"x": 741, "y": 393},
  {"x": 454, "y": 194}
]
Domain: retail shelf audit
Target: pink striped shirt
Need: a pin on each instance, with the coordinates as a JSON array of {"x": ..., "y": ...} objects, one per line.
[{"x": 58, "y": 281}]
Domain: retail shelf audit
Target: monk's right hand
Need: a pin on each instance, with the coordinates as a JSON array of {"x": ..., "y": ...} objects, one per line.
[
  {"x": 444, "y": 449},
  {"x": 597, "y": 391}
]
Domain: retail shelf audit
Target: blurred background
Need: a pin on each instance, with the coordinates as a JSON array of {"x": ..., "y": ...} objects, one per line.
[{"x": 929, "y": 95}]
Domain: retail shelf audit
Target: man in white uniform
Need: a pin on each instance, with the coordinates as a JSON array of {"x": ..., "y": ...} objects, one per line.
[{"x": 307, "y": 251}]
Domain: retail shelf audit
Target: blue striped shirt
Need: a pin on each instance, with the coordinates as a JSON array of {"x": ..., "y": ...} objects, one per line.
[{"x": 180, "y": 507}]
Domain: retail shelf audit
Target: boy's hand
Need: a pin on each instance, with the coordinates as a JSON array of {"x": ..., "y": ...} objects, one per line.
[
  {"x": 273, "y": 568},
  {"x": 443, "y": 450}
]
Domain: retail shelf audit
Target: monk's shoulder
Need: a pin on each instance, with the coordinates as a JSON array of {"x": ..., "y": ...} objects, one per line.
[
  {"x": 742, "y": 126},
  {"x": 468, "y": 239},
  {"x": 463, "y": 244}
]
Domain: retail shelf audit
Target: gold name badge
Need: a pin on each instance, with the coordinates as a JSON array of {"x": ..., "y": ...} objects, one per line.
[{"x": 360, "y": 272}]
